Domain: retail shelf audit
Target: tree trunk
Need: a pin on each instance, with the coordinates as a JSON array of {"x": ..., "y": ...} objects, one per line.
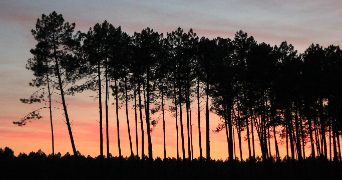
[
  {"x": 311, "y": 137},
  {"x": 199, "y": 120},
  {"x": 106, "y": 102},
  {"x": 276, "y": 143},
  {"x": 136, "y": 122},
  {"x": 225, "y": 113},
  {"x": 180, "y": 117},
  {"x": 64, "y": 104},
  {"x": 148, "y": 115},
  {"x": 302, "y": 134},
  {"x": 141, "y": 122},
  {"x": 50, "y": 110},
  {"x": 175, "y": 94},
  {"x": 230, "y": 132},
  {"x": 100, "y": 106},
  {"x": 298, "y": 145},
  {"x": 323, "y": 139},
  {"x": 339, "y": 146},
  {"x": 239, "y": 133},
  {"x": 334, "y": 133},
  {"x": 187, "y": 104},
  {"x": 290, "y": 131},
  {"x": 128, "y": 127},
  {"x": 207, "y": 121},
  {"x": 252, "y": 130},
  {"x": 248, "y": 138},
  {"x": 163, "y": 122},
  {"x": 192, "y": 147},
  {"x": 117, "y": 116}
]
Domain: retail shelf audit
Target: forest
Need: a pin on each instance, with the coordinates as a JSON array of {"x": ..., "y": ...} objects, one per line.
[{"x": 261, "y": 92}]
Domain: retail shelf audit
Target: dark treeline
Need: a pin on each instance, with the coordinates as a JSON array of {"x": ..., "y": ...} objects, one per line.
[
  {"x": 38, "y": 165},
  {"x": 263, "y": 92}
]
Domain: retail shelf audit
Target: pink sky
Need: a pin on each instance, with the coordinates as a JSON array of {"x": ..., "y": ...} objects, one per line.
[{"x": 297, "y": 22}]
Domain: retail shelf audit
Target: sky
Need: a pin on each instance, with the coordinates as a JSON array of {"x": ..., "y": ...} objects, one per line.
[{"x": 300, "y": 23}]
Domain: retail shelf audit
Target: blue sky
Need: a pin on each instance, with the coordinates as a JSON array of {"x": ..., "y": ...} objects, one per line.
[{"x": 298, "y": 22}]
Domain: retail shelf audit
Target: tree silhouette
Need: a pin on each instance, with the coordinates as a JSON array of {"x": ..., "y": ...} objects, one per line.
[{"x": 55, "y": 46}]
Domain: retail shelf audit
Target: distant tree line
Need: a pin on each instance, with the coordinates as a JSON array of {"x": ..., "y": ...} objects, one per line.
[
  {"x": 38, "y": 165},
  {"x": 259, "y": 91}
]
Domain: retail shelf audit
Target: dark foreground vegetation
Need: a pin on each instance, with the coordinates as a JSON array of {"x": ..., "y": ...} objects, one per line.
[{"x": 38, "y": 165}]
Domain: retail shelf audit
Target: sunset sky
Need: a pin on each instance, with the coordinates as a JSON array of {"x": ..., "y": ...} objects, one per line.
[{"x": 300, "y": 23}]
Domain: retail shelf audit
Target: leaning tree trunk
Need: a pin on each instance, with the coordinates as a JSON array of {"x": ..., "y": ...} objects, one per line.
[{"x": 64, "y": 104}]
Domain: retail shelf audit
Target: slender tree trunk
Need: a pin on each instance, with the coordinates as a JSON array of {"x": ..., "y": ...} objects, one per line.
[
  {"x": 239, "y": 133},
  {"x": 298, "y": 145},
  {"x": 248, "y": 138},
  {"x": 175, "y": 94},
  {"x": 136, "y": 123},
  {"x": 150, "y": 155},
  {"x": 287, "y": 140},
  {"x": 207, "y": 121},
  {"x": 311, "y": 137},
  {"x": 226, "y": 126},
  {"x": 252, "y": 129},
  {"x": 192, "y": 146},
  {"x": 233, "y": 139},
  {"x": 141, "y": 122},
  {"x": 180, "y": 117},
  {"x": 199, "y": 120},
  {"x": 275, "y": 142},
  {"x": 269, "y": 142},
  {"x": 128, "y": 127},
  {"x": 50, "y": 110},
  {"x": 318, "y": 147},
  {"x": 100, "y": 106},
  {"x": 330, "y": 140},
  {"x": 290, "y": 129},
  {"x": 187, "y": 104},
  {"x": 117, "y": 116},
  {"x": 323, "y": 139},
  {"x": 339, "y": 146},
  {"x": 106, "y": 102},
  {"x": 302, "y": 134},
  {"x": 334, "y": 139},
  {"x": 163, "y": 122},
  {"x": 64, "y": 104},
  {"x": 230, "y": 131},
  {"x": 262, "y": 136}
]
